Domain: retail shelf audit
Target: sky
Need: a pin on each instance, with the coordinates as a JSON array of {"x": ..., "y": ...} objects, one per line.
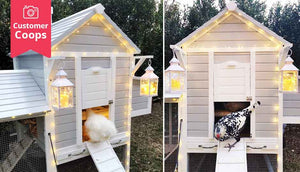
[{"x": 268, "y": 2}]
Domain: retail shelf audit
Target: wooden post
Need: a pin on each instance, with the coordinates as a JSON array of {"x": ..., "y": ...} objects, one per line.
[
  {"x": 211, "y": 114},
  {"x": 253, "y": 61},
  {"x": 78, "y": 100},
  {"x": 170, "y": 124},
  {"x": 127, "y": 161},
  {"x": 280, "y": 133},
  {"x": 113, "y": 88},
  {"x": 49, "y": 119},
  {"x": 182, "y": 114}
]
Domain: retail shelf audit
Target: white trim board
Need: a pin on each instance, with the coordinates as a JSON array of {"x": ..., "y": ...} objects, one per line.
[
  {"x": 74, "y": 152},
  {"x": 90, "y": 54},
  {"x": 224, "y": 50}
]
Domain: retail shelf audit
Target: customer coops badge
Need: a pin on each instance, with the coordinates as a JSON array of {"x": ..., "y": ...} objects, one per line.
[{"x": 30, "y": 27}]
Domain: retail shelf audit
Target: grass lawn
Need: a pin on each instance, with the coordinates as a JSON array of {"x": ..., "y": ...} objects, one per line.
[{"x": 147, "y": 141}]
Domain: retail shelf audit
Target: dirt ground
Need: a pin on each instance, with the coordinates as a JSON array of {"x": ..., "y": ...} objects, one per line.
[{"x": 291, "y": 148}]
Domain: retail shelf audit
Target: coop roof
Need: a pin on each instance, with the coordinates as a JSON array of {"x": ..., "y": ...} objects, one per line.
[
  {"x": 20, "y": 96},
  {"x": 66, "y": 26},
  {"x": 212, "y": 23}
]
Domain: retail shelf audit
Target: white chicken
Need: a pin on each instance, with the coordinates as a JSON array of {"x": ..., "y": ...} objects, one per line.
[{"x": 98, "y": 127}]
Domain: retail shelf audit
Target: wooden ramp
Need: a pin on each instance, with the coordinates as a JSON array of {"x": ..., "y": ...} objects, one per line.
[
  {"x": 16, "y": 154},
  {"x": 105, "y": 157},
  {"x": 235, "y": 160}
]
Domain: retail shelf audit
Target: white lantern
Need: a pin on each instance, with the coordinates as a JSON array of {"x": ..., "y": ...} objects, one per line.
[
  {"x": 149, "y": 83},
  {"x": 289, "y": 75},
  {"x": 174, "y": 77},
  {"x": 62, "y": 91}
]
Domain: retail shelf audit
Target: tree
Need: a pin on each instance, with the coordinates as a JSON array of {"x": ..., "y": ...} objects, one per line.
[
  {"x": 198, "y": 14},
  {"x": 285, "y": 21},
  {"x": 5, "y": 61},
  {"x": 173, "y": 29},
  {"x": 254, "y": 8}
]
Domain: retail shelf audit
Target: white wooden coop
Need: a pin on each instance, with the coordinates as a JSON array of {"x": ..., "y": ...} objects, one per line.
[
  {"x": 99, "y": 60},
  {"x": 232, "y": 59}
]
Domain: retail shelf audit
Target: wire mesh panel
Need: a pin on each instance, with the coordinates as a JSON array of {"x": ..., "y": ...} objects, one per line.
[{"x": 19, "y": 150}]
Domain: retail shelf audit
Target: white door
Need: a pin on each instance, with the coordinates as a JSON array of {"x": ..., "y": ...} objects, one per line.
[
  {"x": 231, "y": 81},
  {"x": 96, "y": 87}
]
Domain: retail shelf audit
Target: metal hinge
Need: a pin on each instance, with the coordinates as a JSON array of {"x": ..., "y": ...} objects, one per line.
[
  {"x": 110, "y": 102},
  {"x": 249, "y": 98}
]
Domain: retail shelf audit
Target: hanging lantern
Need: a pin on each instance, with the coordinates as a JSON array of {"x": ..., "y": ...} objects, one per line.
[
  {"x": 62, "y": 91},
  {"x": 289, "y": 75},
  {"x": 149, "y": 82},
  {"x": 174, "y": 77}
]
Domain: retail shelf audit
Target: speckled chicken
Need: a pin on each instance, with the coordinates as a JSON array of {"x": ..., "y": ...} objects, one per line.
[{"x": 231, "y": 125}]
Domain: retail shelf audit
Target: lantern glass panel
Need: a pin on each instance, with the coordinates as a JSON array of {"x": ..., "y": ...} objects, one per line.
[
  {"x": 168, "y": 81},
  {"x": 289, "y": 80},
  {"x": 144, "y": 84},
  {"x": 153, "y": 87},
  {"x": 176, "y": 81},
  {"x": 66, "y": 97},
  {"x": 55, "y": 95}
]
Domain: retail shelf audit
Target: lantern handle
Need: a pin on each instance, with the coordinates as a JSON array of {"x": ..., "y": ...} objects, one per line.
[
  {"x": 61, "y": 64},
  {"x": 174, "y": 54},
  {"x": 290, "y": 52},
  {"x": 149, "y": 62}
]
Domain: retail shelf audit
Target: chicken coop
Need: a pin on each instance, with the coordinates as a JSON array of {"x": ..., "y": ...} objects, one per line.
[
  {"x": 92, "y": 69},
  {"x": 229, "y": 63}
]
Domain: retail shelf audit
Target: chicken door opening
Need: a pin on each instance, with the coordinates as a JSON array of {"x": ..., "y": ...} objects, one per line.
[
  {"x": 98, "y": 117},
  {"x": 224, "y": 108}
]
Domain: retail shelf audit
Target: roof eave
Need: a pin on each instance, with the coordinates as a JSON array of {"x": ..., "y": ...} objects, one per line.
[
  {"x": 220, "y": 14},
  {"x": 97, "y": 9}
]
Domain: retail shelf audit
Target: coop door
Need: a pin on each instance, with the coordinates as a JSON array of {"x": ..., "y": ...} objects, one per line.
[
  {"x": 96, "y": 87},
  {"x": 231, "y": 81}
]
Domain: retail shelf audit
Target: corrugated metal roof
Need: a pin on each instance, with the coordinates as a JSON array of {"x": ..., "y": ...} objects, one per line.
[
  {"x": 68, "y": 25},
  {"x": 20, "y": 96}
]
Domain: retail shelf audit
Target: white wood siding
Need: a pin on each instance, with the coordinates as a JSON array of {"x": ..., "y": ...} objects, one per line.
[
  {"x": 138, "y": 102},
  {"x": 141, "y": 105},
  {"x": 65, "y": 119},
  {"x": 232, "y": 33},
  {"x": 267, "y": 85},
  {"x": 291, "y": 104},
  {"x": 92, "y": 38},
  {"x": 35, "y": 64},
  {"x": 197, "y": 95},
  {"x": 122, "y": 93}
]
